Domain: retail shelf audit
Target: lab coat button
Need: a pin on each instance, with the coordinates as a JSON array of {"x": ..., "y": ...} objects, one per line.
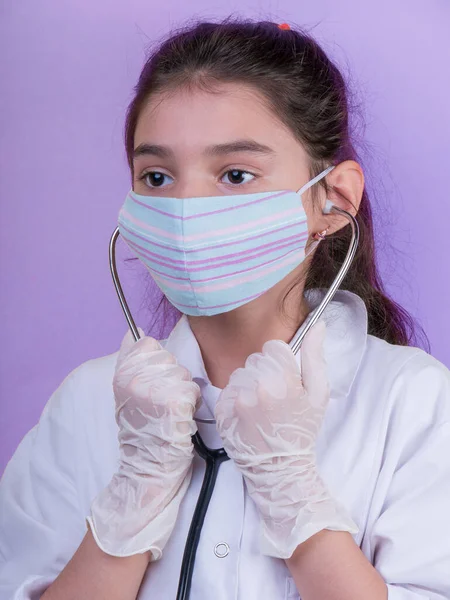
[{"x": 221, "y": 549}]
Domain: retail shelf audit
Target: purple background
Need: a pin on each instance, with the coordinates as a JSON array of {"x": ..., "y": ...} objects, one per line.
[{"x": 67, "y": 71}]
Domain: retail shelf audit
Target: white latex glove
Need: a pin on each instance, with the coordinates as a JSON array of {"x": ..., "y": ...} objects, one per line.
[
  {"x": 268, "y": 417},
  {"x": 155, "y": 402}
]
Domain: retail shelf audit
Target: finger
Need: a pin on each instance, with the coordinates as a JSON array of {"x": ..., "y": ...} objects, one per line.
[
  {"x": 243, "y": 379},
  {"x": 281, "y": 353},
  {"x": 314, "y": 371},
  {"x": 128, "y": 341},
  {"x": 272, "y": 370},
  {"x": 224, "y": 409},
  {"x": 135, "y": 354}
]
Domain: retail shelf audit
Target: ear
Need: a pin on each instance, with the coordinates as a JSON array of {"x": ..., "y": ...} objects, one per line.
[{"x": 346, "y": 181}]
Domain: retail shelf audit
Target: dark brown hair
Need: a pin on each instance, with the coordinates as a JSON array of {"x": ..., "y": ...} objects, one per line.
[{"x": 307, "y": 92}]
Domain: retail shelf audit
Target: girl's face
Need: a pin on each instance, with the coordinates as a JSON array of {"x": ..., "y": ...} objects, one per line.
[{"x": 195, "y": 143}]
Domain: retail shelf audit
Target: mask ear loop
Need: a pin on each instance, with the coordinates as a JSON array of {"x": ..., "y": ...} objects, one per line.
[
  {"x": 317, "y": 237},
  {"x": 315, "y": 180}
]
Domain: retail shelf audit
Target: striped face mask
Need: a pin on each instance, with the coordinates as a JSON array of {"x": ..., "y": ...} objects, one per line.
[{"x": 211, "y": 254}]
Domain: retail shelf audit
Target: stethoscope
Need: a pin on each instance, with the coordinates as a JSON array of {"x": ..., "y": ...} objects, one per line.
[{"x": 215, "y": 457}]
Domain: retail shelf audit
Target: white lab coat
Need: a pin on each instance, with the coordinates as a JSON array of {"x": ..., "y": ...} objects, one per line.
[{"x": 383, "y": 450}]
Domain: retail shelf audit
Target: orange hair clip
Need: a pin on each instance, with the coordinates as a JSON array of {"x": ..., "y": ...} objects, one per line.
[{"x": 283, "y": 26}]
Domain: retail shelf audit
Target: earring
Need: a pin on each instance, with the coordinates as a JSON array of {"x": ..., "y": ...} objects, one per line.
[{"x": 321, "y": 235}]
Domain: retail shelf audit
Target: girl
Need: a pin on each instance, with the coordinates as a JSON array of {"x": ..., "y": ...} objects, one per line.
[{"x": 337, "y": 485}]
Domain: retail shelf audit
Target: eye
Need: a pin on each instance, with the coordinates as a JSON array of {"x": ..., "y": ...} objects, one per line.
[
  {"x": 237, "y": 175},
  {"x": 156, "y": 178}
]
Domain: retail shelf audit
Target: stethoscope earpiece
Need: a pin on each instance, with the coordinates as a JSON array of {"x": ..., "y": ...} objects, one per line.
[{"x": 328, "y": 207}]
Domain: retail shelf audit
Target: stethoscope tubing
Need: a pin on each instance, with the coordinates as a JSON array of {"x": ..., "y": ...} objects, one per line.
[{"x": 215, "y": 457}]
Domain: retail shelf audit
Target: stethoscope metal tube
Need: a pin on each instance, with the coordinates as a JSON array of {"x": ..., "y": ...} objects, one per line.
[
  {"x": 214, "y": 457},
  {"x": 315, "y": 315}
]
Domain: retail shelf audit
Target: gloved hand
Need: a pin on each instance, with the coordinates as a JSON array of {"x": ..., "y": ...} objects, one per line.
[
  {"x": 268, "y": 417},
  {"x": 155, "y": 401}
]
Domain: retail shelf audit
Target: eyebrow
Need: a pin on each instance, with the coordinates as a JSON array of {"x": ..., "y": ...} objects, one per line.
[{"x": 215, "y": 150}]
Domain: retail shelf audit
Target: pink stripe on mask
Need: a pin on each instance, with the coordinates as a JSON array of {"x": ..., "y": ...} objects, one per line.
[
  {"x": 271, "y": 247},
  {"x": 290, "y": 258},
  {"x": 214, "y": 246},
  {"x": 132, "y": 195},
  {"x": 160, "y": 233}
]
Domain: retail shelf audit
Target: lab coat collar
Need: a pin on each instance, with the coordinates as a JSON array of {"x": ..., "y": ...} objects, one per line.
[{"x": 344, "y": 346}]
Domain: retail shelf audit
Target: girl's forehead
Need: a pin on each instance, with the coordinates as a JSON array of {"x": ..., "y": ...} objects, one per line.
[
  {"x": 196, "y": 104},
  {"x": 209, "y": 118}
]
